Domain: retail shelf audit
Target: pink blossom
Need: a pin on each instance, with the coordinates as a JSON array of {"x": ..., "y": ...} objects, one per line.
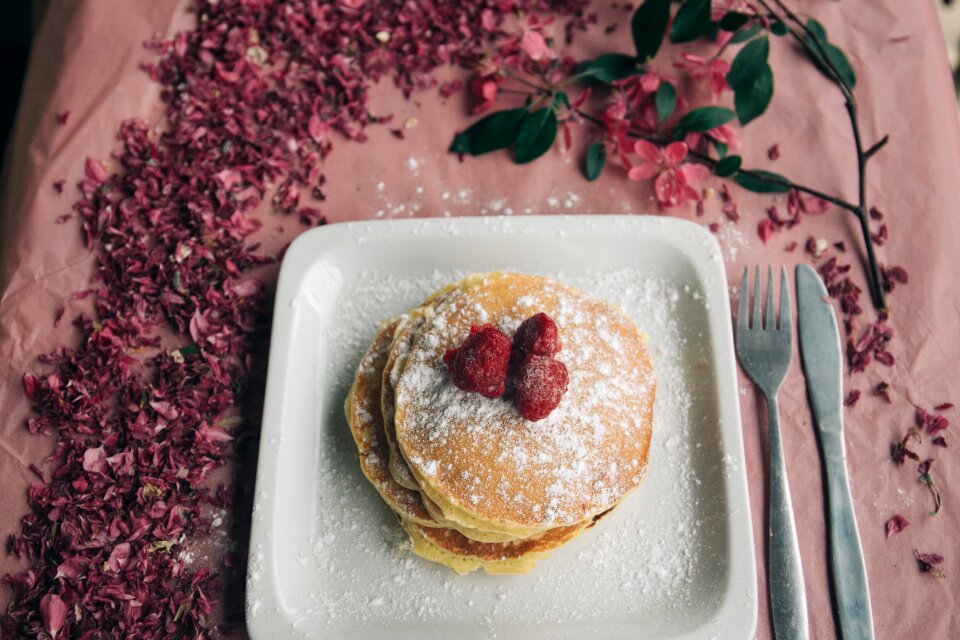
[
  {"x": 484, "y": 90},
  {"x": 714, "y": 71},
  {"x": 673, "y": 179},
  {"x": 535, "y": 46},
  {"x": 724, "y": 134},
  {"x": 650, "y": 82}
]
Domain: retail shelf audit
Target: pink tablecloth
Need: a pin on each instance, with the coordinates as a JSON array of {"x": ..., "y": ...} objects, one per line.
[{"x": 85, "y": 61}]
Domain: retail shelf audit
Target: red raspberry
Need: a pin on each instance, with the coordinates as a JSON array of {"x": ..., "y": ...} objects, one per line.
[
  {"x": 481, "y": 363},
  {"x": 536, "y": 335},
  {"x": 540, "y": 383}
]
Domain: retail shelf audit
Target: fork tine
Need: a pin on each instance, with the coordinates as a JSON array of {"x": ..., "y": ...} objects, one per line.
[
  {"x": 743, "y": 306},
  {"x": 771, "y": 319},
  {"x": 785, "y": 316},
  {"x": 757, "y": 318}
]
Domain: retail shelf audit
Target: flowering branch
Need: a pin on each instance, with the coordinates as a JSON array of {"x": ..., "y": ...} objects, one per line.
[{"x": 678, "y": 146}]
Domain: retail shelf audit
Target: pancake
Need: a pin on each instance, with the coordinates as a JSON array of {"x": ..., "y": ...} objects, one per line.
[
  {"x": 450, "y": 548},
  {"x": 485, "y": 466},
  {"x": 463, "y": 555},
  {"x": 366, "y": 424},
  {"x": 409, "y": 324},
  {"x": 399, "y": 348}
]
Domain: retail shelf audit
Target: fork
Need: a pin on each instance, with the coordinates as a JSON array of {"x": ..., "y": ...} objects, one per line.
[{"x": 765, "y": 351}]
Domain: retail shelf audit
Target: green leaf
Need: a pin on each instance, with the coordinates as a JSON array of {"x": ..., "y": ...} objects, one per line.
[
  {"x": 778, "y": 28},
  {"x": 721, "y": 148},
  {"x": 609, "y": 68},
  {"x": 666, "y": 100},
  {"x": 728, "y": 166},
  {"x": 748, "y": 63},
  {"x": 703, "y": 119},
  {"x": 560, "y": 98},
  {"x": 691, "y": 22},
  {"x": 743, "y": 36},
  {"x": 496, "y": 131},
  {"x": 596, "y": 158},
  {"x": 733, "y": 21},
  {"x": 751, "y": 101},
  {"x": 834, "y": 55},
  {"x": 649, "y": 24},
  {"x": 757, "y": 184},
  {"x": 537, "y": 133}
]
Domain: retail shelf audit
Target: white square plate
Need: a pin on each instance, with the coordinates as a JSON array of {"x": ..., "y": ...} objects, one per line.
[{"x": 328, "y": 559}]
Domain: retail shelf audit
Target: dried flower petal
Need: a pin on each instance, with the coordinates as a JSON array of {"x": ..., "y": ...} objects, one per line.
[
  {"x": 931, "y": 422},
  {"x": 53, "y": 614},
  {"x": 852, "y": 398},
  {"x": 927, "y": 562},
  {"x": 896, "y": 524},
  {"x": 253, "y": 95},
  {"x": 95, "y": 170}
]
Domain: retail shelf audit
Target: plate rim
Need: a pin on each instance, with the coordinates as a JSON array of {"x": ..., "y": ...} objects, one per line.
[{"x": 309, "y": 247}]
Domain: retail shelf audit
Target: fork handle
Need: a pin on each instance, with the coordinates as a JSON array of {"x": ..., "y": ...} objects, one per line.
[{"x": 788, "y": 599}]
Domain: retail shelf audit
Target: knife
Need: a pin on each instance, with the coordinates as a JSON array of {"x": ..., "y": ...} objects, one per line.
[{"x": 820, "y": 352}]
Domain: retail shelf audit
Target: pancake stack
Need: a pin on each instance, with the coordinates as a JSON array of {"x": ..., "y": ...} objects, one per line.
[{"x": 475, "y": 484}]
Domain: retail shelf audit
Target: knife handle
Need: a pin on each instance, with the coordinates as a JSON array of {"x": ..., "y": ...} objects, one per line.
[
  {"x": 788, "y": 599},
  {"x": 846, "y": 557}
]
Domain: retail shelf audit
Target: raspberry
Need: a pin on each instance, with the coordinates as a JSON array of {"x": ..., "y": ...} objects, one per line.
[
  {"x": 536, "y": 335},
  {"x": 481, "y": 363},
  {"x": 540, "y": 383}
]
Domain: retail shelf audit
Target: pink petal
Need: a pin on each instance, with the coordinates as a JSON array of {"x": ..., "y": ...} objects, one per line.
[
  {"x": 317, "y": 128},
  {"x": 669, "y": 189},
  {"x": 896, "y": 524},
  {"x": 649, "y": 82},
  {"x": 648, "y": 151},
  {"x": 643, "y": 171},
  {"x": 95, "y": 170},
  {"x": 95, "y": 460},
  {"x": 675, "y": 153},
  {"x": 693, "y": 59},
  {"x": 246, "y": 288},
  {"x": 119, "y": 557},
  {"x": 692, "y": 139},
  {"x": 53, "y": 613},
  {"x": 815, "y": 205},
  {"x": 694, "y": 173},
  {"x": 765, "y": 230},
  {"x": 533, "y": 44}
]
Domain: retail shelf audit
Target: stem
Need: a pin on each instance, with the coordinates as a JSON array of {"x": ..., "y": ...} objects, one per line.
[{"x": 818, "y": 53}]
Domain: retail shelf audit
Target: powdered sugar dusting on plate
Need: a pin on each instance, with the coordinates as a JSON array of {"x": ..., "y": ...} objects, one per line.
[{"x": 661, "y": 549}]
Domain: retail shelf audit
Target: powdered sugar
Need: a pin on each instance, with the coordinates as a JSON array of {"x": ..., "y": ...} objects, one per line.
[
  {"x": 559, "y": 463},
  {"x": 661, "y": 549}
]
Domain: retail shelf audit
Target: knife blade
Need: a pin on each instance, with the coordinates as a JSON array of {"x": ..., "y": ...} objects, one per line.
[{"x": 820, "y": 354}]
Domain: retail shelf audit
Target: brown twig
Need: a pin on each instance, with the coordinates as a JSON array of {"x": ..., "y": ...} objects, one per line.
[{"x": 812, "y": 45}]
